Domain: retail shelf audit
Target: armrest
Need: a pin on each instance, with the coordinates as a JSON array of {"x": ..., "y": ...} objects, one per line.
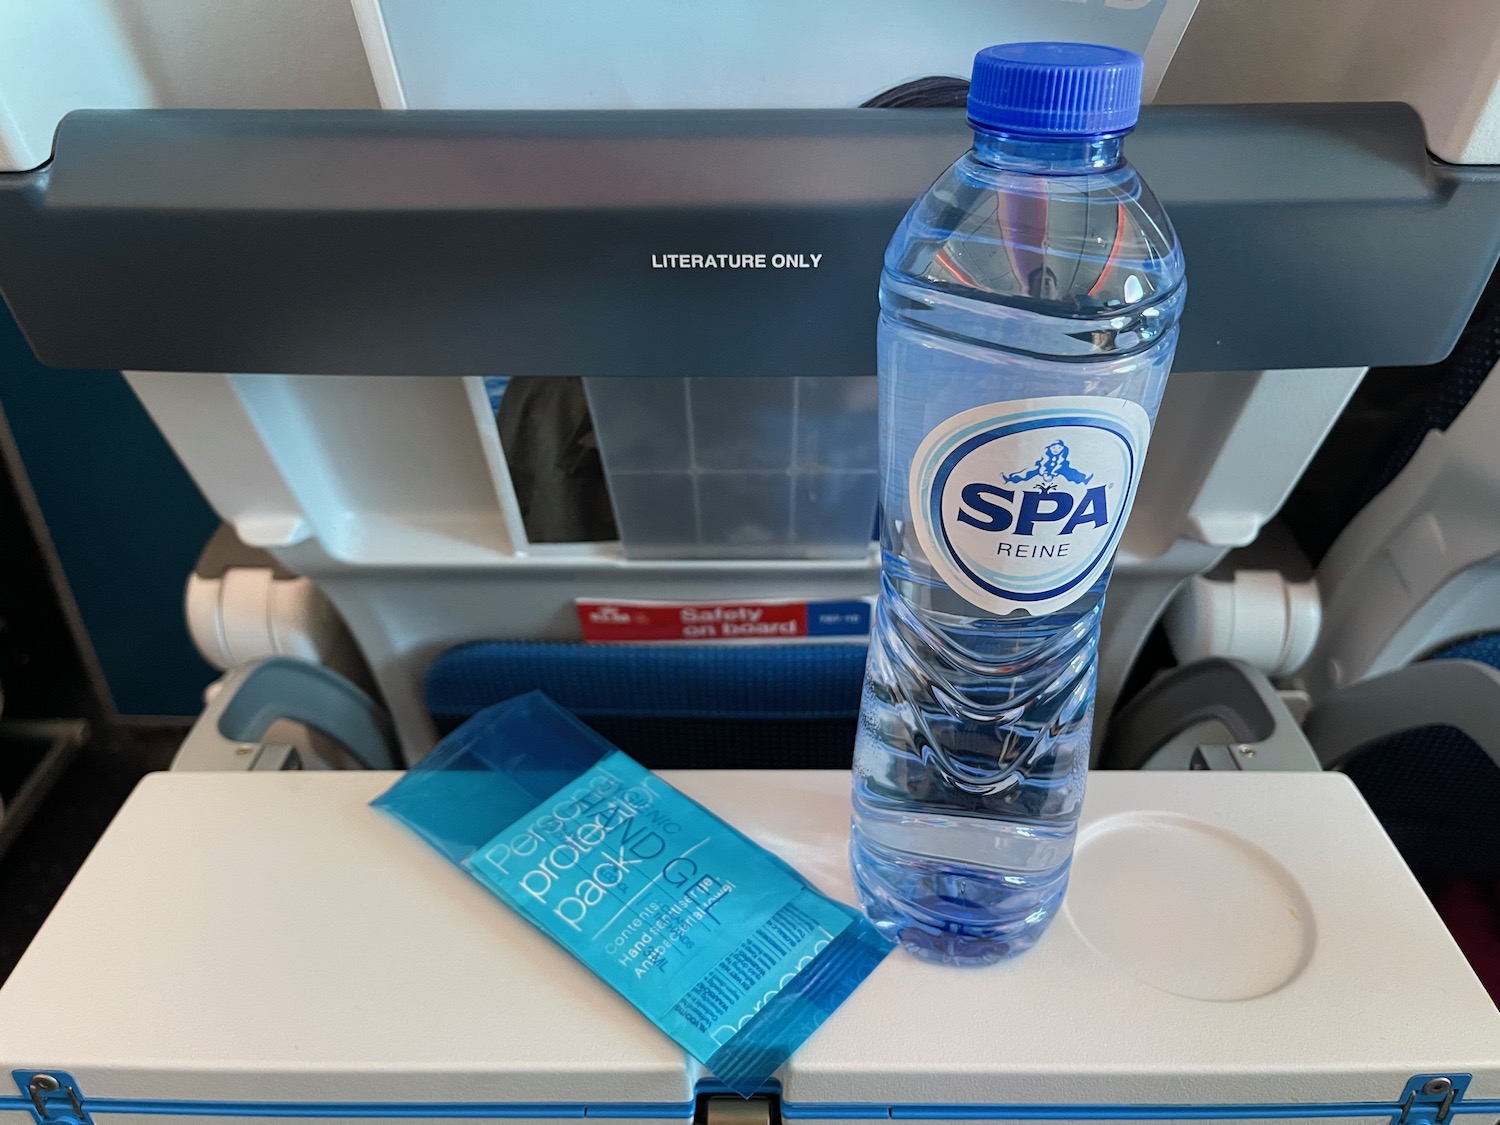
[
  {"x": 227, "y": 735},
  {"x": 1210, "y": 714},
  {"x": 1453, "y": 693}
]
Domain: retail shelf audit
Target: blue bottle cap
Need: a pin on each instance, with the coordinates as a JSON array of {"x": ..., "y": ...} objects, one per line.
[{"x": 1055, "y": 89}]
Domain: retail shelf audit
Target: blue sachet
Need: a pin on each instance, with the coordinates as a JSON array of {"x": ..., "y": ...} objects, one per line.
[{"x": 715, "y": 940}]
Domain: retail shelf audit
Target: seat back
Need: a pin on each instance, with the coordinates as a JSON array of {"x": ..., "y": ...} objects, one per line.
[{"x": 1418, "y": 567}]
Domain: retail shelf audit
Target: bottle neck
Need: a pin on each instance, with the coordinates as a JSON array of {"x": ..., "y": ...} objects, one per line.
[{"x": 1057, "y": 156}]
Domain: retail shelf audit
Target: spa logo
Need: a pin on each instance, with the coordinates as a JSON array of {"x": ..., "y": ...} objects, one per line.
[{"x": 1020, "y": 505}]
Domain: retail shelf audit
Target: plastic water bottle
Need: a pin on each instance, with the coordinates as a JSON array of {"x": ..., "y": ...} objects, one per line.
[{"x": 1029, "y": 310}]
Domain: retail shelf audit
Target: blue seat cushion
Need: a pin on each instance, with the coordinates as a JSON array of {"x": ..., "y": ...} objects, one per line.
[
  {"x": 1435, "y": 791},
  {"x": 674, "y": 706}
]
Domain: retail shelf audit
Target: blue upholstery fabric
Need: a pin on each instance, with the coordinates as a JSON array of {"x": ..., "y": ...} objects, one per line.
[
  {"x": 698, "y": 706},
  {"x": 1435, "y": 791},
  {"x": 663, "y": 681}
]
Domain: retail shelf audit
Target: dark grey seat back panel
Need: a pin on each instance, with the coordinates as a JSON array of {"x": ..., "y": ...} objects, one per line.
[{"x": 533, "y": 243}]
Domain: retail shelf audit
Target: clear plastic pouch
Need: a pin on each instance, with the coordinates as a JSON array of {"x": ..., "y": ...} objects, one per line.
[{"x": 718, "y": 942}]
